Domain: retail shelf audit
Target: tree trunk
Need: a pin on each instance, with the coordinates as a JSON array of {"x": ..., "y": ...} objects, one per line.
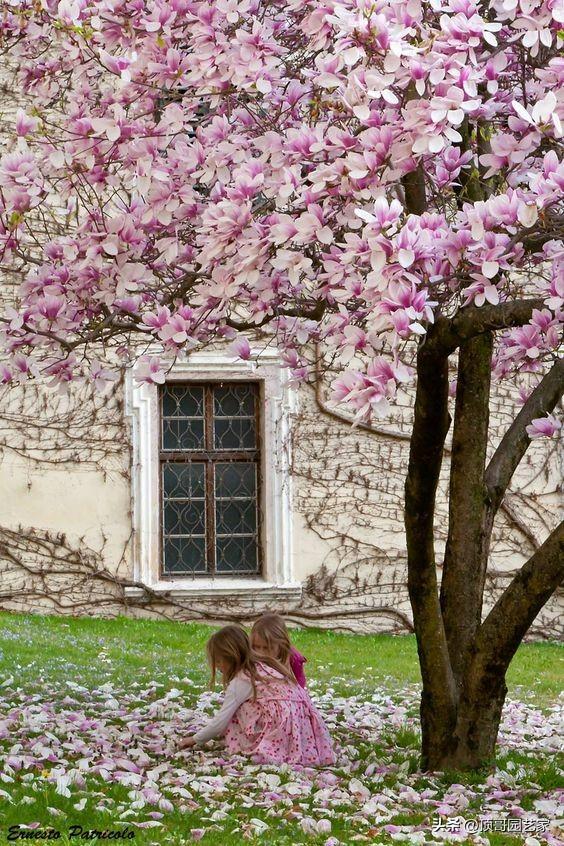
[
  {"x": 472, "y": 743},
  {"x": 430, "y": 427},
  {"x": 465, "y": 738},
  {"x": 466, "y": 551},
  {"x": 464, "y": 660}
]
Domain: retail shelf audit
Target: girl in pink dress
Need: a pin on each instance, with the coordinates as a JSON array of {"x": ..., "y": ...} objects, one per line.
[
  {"x": 269, "y": 636},
  {"x": 265, "y": 713}
]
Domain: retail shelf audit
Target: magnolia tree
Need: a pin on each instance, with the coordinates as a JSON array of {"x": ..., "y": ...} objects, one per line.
[{"x": 375, "y": 181}]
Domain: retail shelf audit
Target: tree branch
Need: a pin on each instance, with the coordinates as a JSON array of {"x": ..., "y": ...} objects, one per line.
[
  {"x": 469, "y": 178},
  {"x": 414, "y": 188},
  {"x": 414, "y": 182},
  {"x": 505, "y": 626},
  {"x": 549, "y": 229},
  {"x": 448, "y": 333},
  {"x": 430, "y": 427},
  {"x": 315, "y": 312},
  {"x": 466, "y": 552},
  {"x": 515, "y": 442}
]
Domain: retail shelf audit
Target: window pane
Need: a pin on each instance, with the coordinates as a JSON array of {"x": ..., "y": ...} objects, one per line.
[
  {"x": 184, "y": 555},
  {"x": 234, "y": 409},
  {"x": 183, "y": 401},
  {"x": 236, "y": 555},
  {"x": 236, "y": 479},
  {"x": 182, "y": 417},
  {"x": 235, "y": 517},
  {"x": 234, "y": 400},
  {"x": 183, "y": 434},
  {"x": 184, "y": 517},
  {"x": 234, "y": 433},
  {"x": 183, "y": 481}
]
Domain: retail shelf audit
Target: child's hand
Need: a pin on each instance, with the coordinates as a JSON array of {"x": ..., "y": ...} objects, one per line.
[{"x": 187, "y": 743}]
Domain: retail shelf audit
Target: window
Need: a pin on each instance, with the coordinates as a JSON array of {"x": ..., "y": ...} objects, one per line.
[
  {"x": 210, "y": 479},
  {"x": 192, "y": 433}
]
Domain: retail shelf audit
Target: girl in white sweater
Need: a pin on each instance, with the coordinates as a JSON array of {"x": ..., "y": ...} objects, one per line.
[{"x": 265, "y": 713}]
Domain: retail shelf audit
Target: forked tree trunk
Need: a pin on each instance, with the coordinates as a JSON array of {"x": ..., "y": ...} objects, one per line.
[
  {"x": 464, "y": 660},
  {"x": 472, "y": 740},
  {"x": 464, "y": 737}
]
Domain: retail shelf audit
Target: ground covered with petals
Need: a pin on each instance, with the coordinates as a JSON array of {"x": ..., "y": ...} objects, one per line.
[{"x": 91, "y": 710}]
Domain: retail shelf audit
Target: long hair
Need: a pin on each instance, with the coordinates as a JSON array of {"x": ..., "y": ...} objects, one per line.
[
  {"x": 231, "y": 646},
  {"x": 271, "y": 629}
]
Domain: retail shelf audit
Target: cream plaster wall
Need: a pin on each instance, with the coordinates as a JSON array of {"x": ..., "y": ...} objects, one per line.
[
  {"x": 348, "y": 549},
  {"x": 81, "y": 503}
]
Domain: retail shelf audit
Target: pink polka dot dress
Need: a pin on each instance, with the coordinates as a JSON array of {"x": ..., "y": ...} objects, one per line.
[{"x": 281, "y": 726}]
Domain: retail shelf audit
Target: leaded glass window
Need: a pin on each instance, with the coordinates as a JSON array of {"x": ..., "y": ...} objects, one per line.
[{"x": 210, "y": 479}]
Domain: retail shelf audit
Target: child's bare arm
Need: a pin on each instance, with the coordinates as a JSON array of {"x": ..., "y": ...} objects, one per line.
[{"x": 237, "y": 692}]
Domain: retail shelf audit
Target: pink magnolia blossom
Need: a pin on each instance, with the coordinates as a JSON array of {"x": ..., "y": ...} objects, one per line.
[
  {"x": 544, "y": 427},
  {"x": 369, "y": 393},
  {"x": 406, "y": 304},
  {"x": 480, "y": 292},
  {"x": 150, "y": 370},
  {"x": 24, "y": 123},
  {"x": 543, "y": 112},
  {"x": 241, "y": 348},
  {"x": 253, "y": 158},
  {"x": 6, "y": 375},
  {"x": 101, "y": 377}
]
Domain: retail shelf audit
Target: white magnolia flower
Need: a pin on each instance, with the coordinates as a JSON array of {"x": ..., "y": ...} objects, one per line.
[{"x": 542, "y": 114}]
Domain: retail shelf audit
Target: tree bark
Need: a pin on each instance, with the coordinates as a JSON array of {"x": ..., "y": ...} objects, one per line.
[
  {"x": 414, "y": 187},
  {"x": 472, "y": 740},
  {"x": 414, "y": 182},
  {"x": 431, "y": 423},
  {"x": 484, "y": 689},
  {"x": 505, "y": 626},
  {"x": 464, "y": 661},
  {"x": 515, "y": 442},
  {"x": 466, "y": 553},
  {"x": 450, "y": 332},
  {"x": 471, "y": 744}
]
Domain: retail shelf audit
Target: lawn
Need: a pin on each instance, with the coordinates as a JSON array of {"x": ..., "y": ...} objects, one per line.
[{"x": 90, "y": 710}]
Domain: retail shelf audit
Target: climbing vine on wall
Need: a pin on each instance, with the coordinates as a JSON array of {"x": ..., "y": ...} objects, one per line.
[{"x": 348, "y": 489}]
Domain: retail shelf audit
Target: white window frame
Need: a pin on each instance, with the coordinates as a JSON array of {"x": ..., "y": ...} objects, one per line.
[{"x": 279, "y": 404}]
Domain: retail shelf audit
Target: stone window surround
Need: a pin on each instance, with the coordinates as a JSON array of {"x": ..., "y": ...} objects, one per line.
[{"x": 279, "y": 403}]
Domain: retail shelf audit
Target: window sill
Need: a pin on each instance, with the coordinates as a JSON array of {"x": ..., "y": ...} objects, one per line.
[{"x": 214, "y": 589}]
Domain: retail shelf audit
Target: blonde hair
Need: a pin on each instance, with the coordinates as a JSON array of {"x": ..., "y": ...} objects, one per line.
[
  {"x": 231, "y": 646},
  {"x": 271, "y": 628}
]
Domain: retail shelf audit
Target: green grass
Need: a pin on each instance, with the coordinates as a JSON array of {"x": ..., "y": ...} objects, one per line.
[
  {"x": 43, "y": 652},
  {"x": 146, "y": 646}
]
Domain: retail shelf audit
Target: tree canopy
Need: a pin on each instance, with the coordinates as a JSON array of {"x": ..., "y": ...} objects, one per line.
[{"x": 341, "y": 174}]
